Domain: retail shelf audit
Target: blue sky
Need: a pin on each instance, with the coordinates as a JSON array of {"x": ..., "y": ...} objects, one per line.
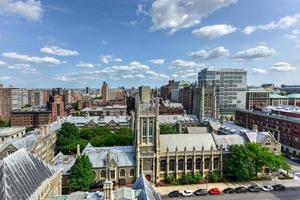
[{"x": 128, "y": 43}]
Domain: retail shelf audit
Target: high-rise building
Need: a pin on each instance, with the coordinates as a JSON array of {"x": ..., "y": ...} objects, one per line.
[
  {"x": 257, "y": 97},
  {"x": 165, "y": 91},
  {"x": 229, "y": 86},
  {"x": 19, "y": 98},
  {"x": 5, "y": 102},
  {"x": 186, "y": 98},
  {"x": 56, "y": 106},
  {"x": 105, "y": 91},
  {"x": 145, "y": 94},
  {"x": 37, "y": 97}
]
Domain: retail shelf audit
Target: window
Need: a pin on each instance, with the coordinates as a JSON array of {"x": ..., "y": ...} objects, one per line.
[
  {"x": 207, "y": 163},
  {"x": 181, "y": 164},
  {"x": 198, "y": 163},
  {"x": 112, "y": 174},
  {"x": 122, "y": 172},
  {"x": 189, "y": 164},
  {"x": 172, "y": 165},
  {"x": 132, "y": 172},
  {"x": 216, "y": 163},
  {"x": 103, "y": 174},
  {"x": 163, "y": 165},
  {"x": 144, "y": 130},
  {"x": 151, "y": 130}
]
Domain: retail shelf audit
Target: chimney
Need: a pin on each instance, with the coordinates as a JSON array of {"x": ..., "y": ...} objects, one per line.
[{"x": 255, "y": 128}]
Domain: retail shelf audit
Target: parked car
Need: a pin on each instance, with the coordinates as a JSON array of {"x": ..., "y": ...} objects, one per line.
[
  {"x": 228, "y": 190},
  {"x": 200, "y": 192},
  {"x": 254, "y": 188},
  {"x": 240, "y": 190},
  {"x": 279, "y": 187},
  {"x": 187, "y": 193},
  {"x": 214, "y": 191},
  {"x": 175, "y": 193},
  {"x": 267, "y": 188}
]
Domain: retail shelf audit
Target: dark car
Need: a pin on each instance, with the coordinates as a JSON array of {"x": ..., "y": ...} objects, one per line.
[
  {"x": 254, "y": 188},
  {"x": 228, "y": 190},
  {"x": 240, "y": 190},
  {"x": 200, "y": 192},
  {"x": 279, "y": 187},
  {"x": 175, "y": 193}
]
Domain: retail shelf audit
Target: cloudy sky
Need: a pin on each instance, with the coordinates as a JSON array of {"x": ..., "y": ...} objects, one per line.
[{"x": 78, "y": 43}]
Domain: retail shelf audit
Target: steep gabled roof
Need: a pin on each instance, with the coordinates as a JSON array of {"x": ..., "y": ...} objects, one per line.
[
  {"x": 21, "y": 175},
  {"x": 145, "y": 189}
]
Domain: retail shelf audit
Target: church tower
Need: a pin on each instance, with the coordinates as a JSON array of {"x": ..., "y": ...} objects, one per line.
[{"x": 146, "y": 139}]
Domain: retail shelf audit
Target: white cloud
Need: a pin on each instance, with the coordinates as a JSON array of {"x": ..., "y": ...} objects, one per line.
[
  {"x": 58, "y": 51},
  {"x": 24, "y": 68},
  {"x": 255, "y": 53},
  {"x": 31, "y": 10},
  {"x": 130, "y": 71},
  {"x": 25, "y": 58},
  {"x": 141, "y": 9},
  {"x": 174, "y": 15},
  {"x": 104, "y": 42},
  {"x": 294, "y": 36},
  {"x": 259, "y": 71},
  {"x": 282, "y": 67},
  {"x": 3, "y": 78},
  {"x": 282, "y": 23},
  {"x": 186, "y": 64},
  {"x": 157, "y": 61},
  {"x": 85, "y": 65},
  {"x": 214, "y": 31},
  {"x": 215, "y": 53},
  {"x": 109, "y": 58},
  {"x": 2, "y": 63}
]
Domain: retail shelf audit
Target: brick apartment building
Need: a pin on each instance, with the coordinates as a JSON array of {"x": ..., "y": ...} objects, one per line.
[{"x": 283, "y": 124}]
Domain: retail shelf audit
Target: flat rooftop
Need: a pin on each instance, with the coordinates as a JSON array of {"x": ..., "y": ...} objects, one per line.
[{"x": 8, "y": 131}]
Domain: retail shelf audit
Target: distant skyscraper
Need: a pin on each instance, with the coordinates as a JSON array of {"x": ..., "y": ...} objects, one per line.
[
  {"x": 56, "y": 106},
  {"x": 19, "y": 98},
  {"x": 87, "y": 90},
  {"x": 144, "y": 94},
  {"x": 229, "y": 86},
  {"x": 105, "y": 91},
  {"x": 5, "y": 103}
]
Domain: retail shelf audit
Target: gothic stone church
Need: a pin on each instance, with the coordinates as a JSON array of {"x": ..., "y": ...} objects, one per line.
[{"x": 153, "y": 155}]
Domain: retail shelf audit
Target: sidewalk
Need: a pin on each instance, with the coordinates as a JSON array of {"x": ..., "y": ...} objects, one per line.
[{"x": 164, "y": 190}]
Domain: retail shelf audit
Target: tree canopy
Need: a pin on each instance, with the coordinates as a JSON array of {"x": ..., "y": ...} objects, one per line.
[
  {"x": 4, "y": 124},
  {"x": 69, "y": 136},
  {"x": 167, "y": 129},
  {"x": 82, "y": 175},
  {"x": 245, "y": 161}
]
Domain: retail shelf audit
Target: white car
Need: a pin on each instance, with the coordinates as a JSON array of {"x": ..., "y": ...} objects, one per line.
[
  {"x": 267, "y": 188},
  {"x": 187, "y": 193}
]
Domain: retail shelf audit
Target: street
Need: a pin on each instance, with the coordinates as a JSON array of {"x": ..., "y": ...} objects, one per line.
[{"x": 288, "y": 194}]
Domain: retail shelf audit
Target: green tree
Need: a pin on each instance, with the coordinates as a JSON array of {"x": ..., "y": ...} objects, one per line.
[
  {"x": 4, "y": 124},
  {"x": 214, "y": 176},
  {"x": 167, "y": 129},
  {"x": 245, "y": 161},
  {"x": 82, "y": 175}
]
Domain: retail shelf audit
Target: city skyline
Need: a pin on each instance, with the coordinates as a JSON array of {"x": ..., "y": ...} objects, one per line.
[{"x": 58, "y": 44}]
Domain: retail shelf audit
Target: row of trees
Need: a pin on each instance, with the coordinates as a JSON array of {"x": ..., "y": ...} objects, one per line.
[
  {"x": 193, "y": 179},
  {"x": 69, "y": 136},
  {"x": 246, "y": 161},
  {"x": 167, "y": 129}
]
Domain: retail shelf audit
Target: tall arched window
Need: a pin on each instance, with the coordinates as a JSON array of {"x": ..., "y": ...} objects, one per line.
[
  {"x": 122, "y": 172},
  {"x": 151, "y": 130},
  {"x": 198, "y": 163},
  {"x": 216, "y": 163},
  {"x": 144, "y": 130},
  {"x": 181, "y": 164},
  {"x": 163, "y": 165},
  {"x": 131, "y": 172},
  {"x": 189, "y": 165},
  {"x": 172, "y": 165},
  {"x": 103, "y": 174},
  {"x": 207, "y": 163}
]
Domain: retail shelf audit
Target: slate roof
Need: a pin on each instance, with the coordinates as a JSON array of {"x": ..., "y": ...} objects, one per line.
[
  {"x": 173, "y": 119},
  {"x": 189, "y": 141},
  {"x": 81, "y": 121},
  {"x": 124, "y": 193},
  {"x": 26, "y": 142},
  {"x": 145, "y": 189},
  {"x": 124, "y": 156},
  {"x": 228, "y": 140},
  {"x": 8, "y": 131},
  {"x": 197, "y": 130},
  {"x": 21, "y": 175},
  {"x": 63, "y": 162}
]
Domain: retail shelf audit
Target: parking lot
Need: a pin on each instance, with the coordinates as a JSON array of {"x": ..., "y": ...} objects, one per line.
[{"x": 292, "y": 193}]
